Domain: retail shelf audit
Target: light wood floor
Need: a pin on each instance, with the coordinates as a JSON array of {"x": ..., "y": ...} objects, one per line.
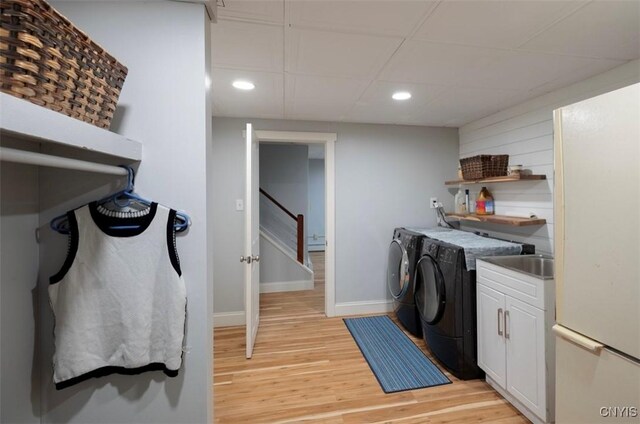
[
  {"x": 277, "y": 307},
  {"x": 307, "y": 368}
]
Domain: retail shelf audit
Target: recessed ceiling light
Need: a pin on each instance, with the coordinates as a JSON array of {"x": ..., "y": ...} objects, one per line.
[
  {"x": 243, "y": 85},
  {"x": 401, "y": 95}
]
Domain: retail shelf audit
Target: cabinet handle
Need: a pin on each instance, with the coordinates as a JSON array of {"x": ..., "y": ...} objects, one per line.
[
  {"x": 506, "y": 325},
  {"x": 499, "y": 321}
]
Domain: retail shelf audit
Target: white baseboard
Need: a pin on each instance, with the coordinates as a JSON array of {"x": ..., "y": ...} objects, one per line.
[
  {"x": 232, "y": 319},
  {"x": 228, "y": 319},
  {"x": 285, "y": 286},
  {"x": 362, "y": 308}
]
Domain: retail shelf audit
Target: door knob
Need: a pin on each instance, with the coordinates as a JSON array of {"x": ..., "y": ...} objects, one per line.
[
  {"x": 246, "y": 259},
  {"x": 256, "y": 258}
]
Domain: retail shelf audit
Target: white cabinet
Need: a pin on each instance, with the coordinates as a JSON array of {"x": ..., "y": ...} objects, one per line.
[
  {"x": 526, "y": 376},
  {"x": 491, "y": 342},
  {"x": 515, "y": 345}
]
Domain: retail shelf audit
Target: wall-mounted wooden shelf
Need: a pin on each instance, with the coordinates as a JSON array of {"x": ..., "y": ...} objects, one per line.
[
  {"x": 505, "y": 179},
  {"x": 500, "y": 219},
  {"x": 28, "y": 121}
]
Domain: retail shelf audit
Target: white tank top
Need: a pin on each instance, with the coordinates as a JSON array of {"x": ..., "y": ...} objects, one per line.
[{"x": 119, "y": 300}]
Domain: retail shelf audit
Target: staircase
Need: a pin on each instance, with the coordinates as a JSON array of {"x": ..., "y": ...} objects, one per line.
[{"x": 285, "y": 261}]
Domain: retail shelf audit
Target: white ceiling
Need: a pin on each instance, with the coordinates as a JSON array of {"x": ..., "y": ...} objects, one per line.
[{"x": 461, "y": 60}]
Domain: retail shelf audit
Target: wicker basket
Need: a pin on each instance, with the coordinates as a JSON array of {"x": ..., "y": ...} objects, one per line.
[
  {"x": 484, "y": 166},
  {"x": 46, "y": 60}
]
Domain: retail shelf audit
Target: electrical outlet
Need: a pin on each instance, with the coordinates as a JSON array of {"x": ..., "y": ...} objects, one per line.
[{"x": 433, "y": 202}]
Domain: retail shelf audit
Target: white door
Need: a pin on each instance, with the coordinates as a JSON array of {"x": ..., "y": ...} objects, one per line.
[
  {"x": 491, "y": 342},
  {"x": 251, "y": 258},
  {"x": 526, "y": 369}
]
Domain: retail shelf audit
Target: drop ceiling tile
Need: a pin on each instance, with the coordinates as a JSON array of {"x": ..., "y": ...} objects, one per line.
[
  {"x": 319, "y": 98},
  {"x": 249, "y": 46},
  {"x": 519, "y": 70},
  {"x": 373, "y": 17},
  {"x": 334, "y": 54},
  {"x": 455, "y": 65},
  {"x": 492, "y": 23},
  {"x": 377, "y": 106},
  {"x": 457, "y": 106},
  {"x": 253, "y": 10},
  {"x": 602, "y": 29},
  {"x": 576, "y": 75},
  {"x": 265, "y": 101},
  {"x": 330, "y": 72},
  {"x": 372, "y": 114},
  {"x": 380, "y": 92},
  {"x": 425, "y": 62}
]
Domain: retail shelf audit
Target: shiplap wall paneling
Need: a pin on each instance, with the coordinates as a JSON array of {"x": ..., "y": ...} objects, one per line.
[{"x": 525, "y": 133}]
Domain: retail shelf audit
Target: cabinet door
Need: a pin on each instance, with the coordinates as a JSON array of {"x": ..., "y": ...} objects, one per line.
[
  {"x": 526, "y": 371},
  {"x": 491, "y": 342}
]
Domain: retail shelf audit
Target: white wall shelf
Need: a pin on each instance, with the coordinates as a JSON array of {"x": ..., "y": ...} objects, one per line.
[{"x": 26, "y": 120}]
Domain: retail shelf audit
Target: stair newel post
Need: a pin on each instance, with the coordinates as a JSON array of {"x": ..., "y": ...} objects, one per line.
[{"x": 300, "y": 231}]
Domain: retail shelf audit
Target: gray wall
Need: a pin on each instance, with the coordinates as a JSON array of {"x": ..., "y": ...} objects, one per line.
[
  {"x": 277, "y": 267},
  {"x": 20, "y": 382},
  {"x": 385, "y": 175},
  {"x": 284, "y": 174},
  {"x": 164, "y": 104},
  {"x": 525, "y": 132},
  {"x": 315, "y": 220}
]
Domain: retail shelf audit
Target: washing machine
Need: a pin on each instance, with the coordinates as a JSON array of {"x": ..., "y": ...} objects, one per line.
[
  {"x": 446, "y": 302},
  {"x": 404, "y": 252}
]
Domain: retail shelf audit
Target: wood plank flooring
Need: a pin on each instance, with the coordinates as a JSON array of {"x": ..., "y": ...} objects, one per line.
[{"x": 308, "y": 368}]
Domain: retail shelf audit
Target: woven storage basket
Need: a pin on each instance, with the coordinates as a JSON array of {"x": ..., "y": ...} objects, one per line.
[
  {"x": 484, "y": 166},
  {"x": 46, "y": 60}
]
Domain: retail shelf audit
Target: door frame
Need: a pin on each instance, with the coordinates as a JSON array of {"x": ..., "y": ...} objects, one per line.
[{"x": 328, "y": 139}]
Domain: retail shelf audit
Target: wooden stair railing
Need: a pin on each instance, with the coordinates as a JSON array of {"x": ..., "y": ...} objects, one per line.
[{"x": 299, "y": 225}]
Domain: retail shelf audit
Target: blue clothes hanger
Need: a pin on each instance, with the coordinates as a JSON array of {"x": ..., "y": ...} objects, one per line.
[{"x": 122, "y": 199}]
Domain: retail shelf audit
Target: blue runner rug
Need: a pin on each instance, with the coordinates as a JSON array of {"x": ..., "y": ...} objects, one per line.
[{"x": 397, "y": 363}]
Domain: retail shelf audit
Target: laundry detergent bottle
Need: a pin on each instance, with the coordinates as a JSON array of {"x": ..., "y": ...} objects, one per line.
[
  {"x": 460, "y": 207},
  {"x": 484, "y": 203}
]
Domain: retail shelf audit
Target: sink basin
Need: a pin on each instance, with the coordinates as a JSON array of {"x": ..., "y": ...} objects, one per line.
[{"x": 539, "y": 266}]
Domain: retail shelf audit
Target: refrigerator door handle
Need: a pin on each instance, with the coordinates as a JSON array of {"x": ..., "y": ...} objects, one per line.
[{"x": 578, "y": 339}]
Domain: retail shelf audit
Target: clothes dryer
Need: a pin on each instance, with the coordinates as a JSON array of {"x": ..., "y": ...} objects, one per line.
[
  {"x": 404, "y": 252},
  {"x": 445, "y": 286}
]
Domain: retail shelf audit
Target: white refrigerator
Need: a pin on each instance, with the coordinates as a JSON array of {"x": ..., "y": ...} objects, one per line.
[{"x": 597, "y": 252}]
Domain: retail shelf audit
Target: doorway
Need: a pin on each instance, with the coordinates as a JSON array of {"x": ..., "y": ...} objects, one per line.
[
  {"x": 322, "y": 297},
  {"x": 292, "y": 230}
]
